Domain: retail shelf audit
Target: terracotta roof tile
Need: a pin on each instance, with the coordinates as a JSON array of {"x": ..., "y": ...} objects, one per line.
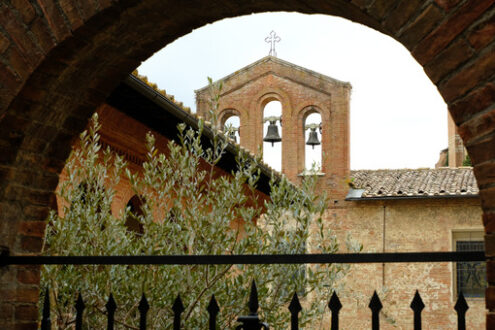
[{"x": 415, "y": 182}]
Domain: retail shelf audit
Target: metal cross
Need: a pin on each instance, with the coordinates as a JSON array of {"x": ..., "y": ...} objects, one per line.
[{"x": 272, "y": 39}]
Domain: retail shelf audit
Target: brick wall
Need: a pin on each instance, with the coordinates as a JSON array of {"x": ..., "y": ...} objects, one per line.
[{"x": 406, "y": 226}]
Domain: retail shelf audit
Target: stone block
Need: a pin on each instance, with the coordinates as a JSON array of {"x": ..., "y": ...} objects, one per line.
[
  {"x": 54, "y": 18},
  {"x": 380, "y": 8},
  {"x": 478, "y": 126},
  {"x": 26, "y": 312},
  {"x": 447, "y": 4},
  {"x": 4, "y": 43},
  {"x": 31, "y": 244},
  {"x": 32, "y": 228},
  {"x": 421, "y": 26},
  {"x": 43, "y": 35},
  {"x": 400, "y": 15},
  {"x": 25, "y": 9},
  {"x": 449, "y": 59},
  {"x": 70, "y": 10},
  {"x": 483, "y": 34},
  {"x": 476, "y": 101},
  {"x": 469, "y": 76},
  {"x": 449, "y": 29},
  {"x": 29, "y": 275}
]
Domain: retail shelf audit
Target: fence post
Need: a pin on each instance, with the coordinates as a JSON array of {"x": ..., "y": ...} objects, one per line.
[
  {"x": 294, "y": 308},
  {"x": 335, "y": 306},
  {"x": 143, "y": 310},
  {"x": 213, "y": 310},
  {"x": 111, "y": 306},
  {"x": 375, "y": 306},
  {"x": 252, "y": 321},
  {"x": 417, "y": 306},
  {"x": 79, "y": 311},
  {"x": 178, "y": 308},
  {"x": 461, "y": 308}
]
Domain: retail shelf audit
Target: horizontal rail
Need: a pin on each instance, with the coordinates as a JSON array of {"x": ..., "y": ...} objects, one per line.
[{"x": 344, "y": 258}]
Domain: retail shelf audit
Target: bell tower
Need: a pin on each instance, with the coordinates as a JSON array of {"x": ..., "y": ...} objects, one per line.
[{"x": 302, "y": 93}]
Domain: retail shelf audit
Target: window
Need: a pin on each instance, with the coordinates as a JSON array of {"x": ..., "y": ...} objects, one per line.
[{"x": 470, "y": 277}]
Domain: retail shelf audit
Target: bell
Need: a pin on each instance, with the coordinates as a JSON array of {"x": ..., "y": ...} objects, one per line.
[
  {"x": 272, "y": 133},
  {"x": 232, "y": 136},
  {"x": 313, "y": 138}
]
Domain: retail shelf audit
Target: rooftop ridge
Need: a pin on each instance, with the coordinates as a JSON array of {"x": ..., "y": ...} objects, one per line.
[{"x": 282, "y": 62}]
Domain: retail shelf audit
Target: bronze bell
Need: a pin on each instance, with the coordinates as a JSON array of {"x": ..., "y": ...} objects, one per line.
[
  {"x": 272, "y": 133},
  {"x": 232, "y": 136},
  {"x": 313, "y": 138}
]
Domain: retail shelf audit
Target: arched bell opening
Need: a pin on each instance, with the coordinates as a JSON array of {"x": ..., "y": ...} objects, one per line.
[
  {"x": 312, "y": 127},
  {"x": 231, "y": 127},
  {"x": 272, "y": 134}
]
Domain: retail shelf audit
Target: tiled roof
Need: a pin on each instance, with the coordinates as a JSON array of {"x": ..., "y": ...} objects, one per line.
[{"x": 413, "y": 183}]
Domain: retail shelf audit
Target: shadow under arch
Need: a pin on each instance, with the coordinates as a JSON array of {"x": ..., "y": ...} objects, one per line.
[{"x": 60, "y": 65}]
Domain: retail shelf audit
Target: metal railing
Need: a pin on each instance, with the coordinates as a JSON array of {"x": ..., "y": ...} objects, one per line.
[{"x": 251, "y": 321}]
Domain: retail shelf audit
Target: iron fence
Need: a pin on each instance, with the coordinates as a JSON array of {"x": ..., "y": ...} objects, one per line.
[{"x": 250, "y": 321}]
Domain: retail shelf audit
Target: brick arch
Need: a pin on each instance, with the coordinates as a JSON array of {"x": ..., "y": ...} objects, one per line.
[
  {"x": 226, "y": 114},
  {"x": 60, "y": 59},
  {"x": 326, "y": 117}
]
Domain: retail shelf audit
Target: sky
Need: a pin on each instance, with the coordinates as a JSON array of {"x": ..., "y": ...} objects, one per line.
[{"x": 398, "y": 118}]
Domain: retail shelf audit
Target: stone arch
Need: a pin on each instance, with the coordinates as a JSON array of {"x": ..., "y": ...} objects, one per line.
[{"x": 60, "y": 59}]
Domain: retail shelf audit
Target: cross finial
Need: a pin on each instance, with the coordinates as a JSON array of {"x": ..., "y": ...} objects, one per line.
[{"x": 272, "y": 39}]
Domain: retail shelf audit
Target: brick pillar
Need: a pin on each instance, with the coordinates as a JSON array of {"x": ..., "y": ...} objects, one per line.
[{"x": 456, "y": 151}]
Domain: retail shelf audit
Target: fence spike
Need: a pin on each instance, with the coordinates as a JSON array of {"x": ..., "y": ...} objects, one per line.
[
  {"x": 178, "y": 308},
  {"x": 111, "y": 306},
  {"x": 143, "y": 308},
  {"x": 46, "y": 323},
  {"x": 417, "y": 306},
  {"x": 253, "y": 299},
  {"x": 294, "y": 308},
  {"x": 213, "y": 310},
  {"x": 375, "y": 306},
  {"x": 80, "y": 306},
  {"x": 461, "y": 308},
  {"x": 335, "y": 306}
]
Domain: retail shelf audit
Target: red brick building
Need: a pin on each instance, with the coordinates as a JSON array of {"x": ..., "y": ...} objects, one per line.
[{"x": 385, "y": 210}]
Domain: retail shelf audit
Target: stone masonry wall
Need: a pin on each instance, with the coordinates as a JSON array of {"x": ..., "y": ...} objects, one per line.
[{"x": 405, "y": 226}]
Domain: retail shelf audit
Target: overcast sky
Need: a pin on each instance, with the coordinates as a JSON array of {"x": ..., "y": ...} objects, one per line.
[{"x": 398, "y": 119}]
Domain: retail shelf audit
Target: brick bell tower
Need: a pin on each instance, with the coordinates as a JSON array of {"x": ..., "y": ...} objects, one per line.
[{"x": 300, "y": 92}]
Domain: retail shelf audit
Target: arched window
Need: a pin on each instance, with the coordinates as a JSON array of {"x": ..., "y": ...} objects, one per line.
[
  {"x": 272, "y": 152},
  {"x": 132, "y": 222},
  {"x": 312, "y": 134},
  {"x": 232, "y": 125}
]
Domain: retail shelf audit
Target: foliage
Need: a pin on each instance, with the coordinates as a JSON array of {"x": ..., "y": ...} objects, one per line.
[
  {"x": 467, "y": 161},
  {"x": 187, "y": 208}
]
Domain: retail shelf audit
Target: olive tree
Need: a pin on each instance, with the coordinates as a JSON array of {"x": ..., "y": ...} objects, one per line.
[{"x": 187, "y": 208}]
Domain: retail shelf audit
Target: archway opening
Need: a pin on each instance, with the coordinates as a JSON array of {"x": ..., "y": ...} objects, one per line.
[
  {"x": 272, "y": 151},
  {"x": 231, "y": 127},
  {"x": 312, "y": 134}
]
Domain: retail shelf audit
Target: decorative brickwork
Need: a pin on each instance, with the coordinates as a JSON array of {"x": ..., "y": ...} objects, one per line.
[
  {"x": 301, "y": 92},
  {"x": 60, "y": 59}
]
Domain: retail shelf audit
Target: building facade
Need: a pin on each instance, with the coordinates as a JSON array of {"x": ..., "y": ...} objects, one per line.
[{"x": 386, "y": 211}]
